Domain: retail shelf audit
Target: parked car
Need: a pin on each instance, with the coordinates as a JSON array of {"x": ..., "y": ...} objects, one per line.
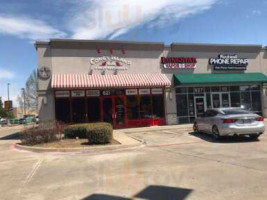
[
  {"x": 230, "y": 122},
  {"x": 3, "y": 121},
  {"x": 22, "y": 121}
]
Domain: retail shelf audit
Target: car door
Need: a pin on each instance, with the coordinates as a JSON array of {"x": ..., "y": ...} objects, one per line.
[
  {"x": 204, "y": 121},
  {"x": 210, "y": 120}
]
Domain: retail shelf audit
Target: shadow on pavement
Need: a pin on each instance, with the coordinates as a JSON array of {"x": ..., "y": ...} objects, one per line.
[
  {"x": 152, "y": 192},
  {"x": 13, "y": 136},
  {"x": 229, "y": 139}
]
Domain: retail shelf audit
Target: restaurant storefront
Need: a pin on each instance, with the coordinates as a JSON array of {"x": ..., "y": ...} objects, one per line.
[
  {"x": 131, "y": 84},
  {"x": 122, "y": 107}
]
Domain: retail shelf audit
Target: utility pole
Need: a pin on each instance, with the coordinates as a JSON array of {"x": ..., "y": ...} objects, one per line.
[{"x": 8, "y": 91}]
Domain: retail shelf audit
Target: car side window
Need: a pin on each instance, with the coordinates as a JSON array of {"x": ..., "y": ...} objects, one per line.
[
  {"x": 207, "y": 113},
  {"x": 211, "y": 113}
]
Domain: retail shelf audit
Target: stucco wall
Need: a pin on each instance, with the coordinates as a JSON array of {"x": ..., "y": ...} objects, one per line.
[{"x": 67, "y": 61}]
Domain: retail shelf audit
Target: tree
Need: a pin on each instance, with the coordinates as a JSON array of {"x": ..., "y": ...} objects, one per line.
[
  {"x": 30, "y": 92},
  {"x": 5, "y": 113}
]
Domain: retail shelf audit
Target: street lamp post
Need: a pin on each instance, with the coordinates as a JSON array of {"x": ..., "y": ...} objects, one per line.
[
  {"x": 8, "y": 91},
  {"x": 24, "y": 110}
]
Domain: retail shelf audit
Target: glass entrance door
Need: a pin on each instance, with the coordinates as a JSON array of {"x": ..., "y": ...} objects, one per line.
[
  {"x": 200, "y": 106},
  {"x": 113, "y": 111},
  {"x": 119, "y": 111},
  {"x": 107, "y": 110}
]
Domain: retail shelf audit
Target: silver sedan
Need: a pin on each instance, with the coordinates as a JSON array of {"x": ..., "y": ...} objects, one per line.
[{"x": 230, "y": 122}]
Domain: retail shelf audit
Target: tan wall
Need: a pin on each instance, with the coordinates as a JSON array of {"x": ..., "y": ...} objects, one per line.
[
  {"x": 78, "y": 61},
  {"x": 66, "y": 61}
]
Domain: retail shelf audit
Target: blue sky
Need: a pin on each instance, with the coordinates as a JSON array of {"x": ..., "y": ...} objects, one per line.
[{"x": 197, "y": 21}]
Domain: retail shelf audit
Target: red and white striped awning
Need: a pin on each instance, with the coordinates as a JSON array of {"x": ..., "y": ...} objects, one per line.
[{"x": 109, "y": 81}]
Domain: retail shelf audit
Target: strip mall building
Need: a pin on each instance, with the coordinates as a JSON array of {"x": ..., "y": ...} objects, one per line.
[{"x": 131, "y": 84}]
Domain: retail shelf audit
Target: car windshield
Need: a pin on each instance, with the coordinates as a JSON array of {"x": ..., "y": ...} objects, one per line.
[{"x": 236, "y": 111}]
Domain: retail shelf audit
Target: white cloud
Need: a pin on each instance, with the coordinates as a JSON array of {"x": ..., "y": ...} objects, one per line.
[
  {"x": 94, "y": 19},
  {"x": 5, "y": 74},
  {"x": 256, "y": 12},
  {"x": 25, "y": 27}
]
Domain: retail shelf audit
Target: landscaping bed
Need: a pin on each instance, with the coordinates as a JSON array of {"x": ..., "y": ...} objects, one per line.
[
  {"x": 73, "y": 143},
  {"x": 55, "y": 135}
]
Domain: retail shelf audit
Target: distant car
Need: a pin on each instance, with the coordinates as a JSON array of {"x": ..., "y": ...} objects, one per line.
[
  {"x": 230, "y": 122},
  {"x": 22, "y": 121},
  {"x": 3, "y": 121},
  {"x": 37, "y": 119}
]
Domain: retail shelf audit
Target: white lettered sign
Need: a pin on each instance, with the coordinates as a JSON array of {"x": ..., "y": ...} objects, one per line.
[
  {"x": 131, "y": 92},
  {"x": 144, "y": 91},
  {"x": 62, "y": 93},
  {"x": 77, "y": 93},
  {"x": 93, "y": 93},
  {"x": 157, "y": 91}
]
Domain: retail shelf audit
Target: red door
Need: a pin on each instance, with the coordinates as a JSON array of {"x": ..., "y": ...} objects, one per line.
[{"x": 113, "y": 111}]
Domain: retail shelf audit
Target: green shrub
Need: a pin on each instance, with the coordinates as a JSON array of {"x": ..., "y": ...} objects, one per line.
[
  {"x": 99, "y": 133},
  {"x": 76, "y": 130}
]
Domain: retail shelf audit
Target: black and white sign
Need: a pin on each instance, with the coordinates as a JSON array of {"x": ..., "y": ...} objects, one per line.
[
  {"x": 93, "y": 93},
  {"x": 77, "y": 93},
  {"x": 62, "y": 93},
  {"x": 131, "y": 92},
  {"x": 156, "y": 91},
  {"x": 144, "y": 91},
  {"x": 229, "y": 62}
]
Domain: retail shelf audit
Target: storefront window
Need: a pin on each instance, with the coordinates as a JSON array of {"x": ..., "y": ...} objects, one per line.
[
  {"x": 244, "y": 88},
  {"x": 158, "y": 106},
  {"x": 63, "y": 110},
  {"x": 191, "y": 105},
  {"x": 215, "y": 89},
  {"x": 245, "y": 100},
  {"x": 182, "y": 105},
  {"x": 132, "y": 107},
  {"x": 224, "y": 89},
  {"x": 255, "y": 87},
  {"x": 234, "y": 89},
  {"x": 93, "y": 109},
  {"x": 78, "y": 110},
  {"x": 256, "y": 101},
  {"x": 208, "y": 100},
  {"x": 235, "y": 99},
  {"x": 145, "y": 107},
  {"x": 181, "y": 90}
]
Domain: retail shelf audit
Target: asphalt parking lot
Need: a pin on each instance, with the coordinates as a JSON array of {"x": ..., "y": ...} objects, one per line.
[{"x": 174, "y": 163}]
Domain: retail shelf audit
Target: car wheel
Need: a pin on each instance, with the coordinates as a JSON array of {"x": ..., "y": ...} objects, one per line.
[
  {"x": 195, "y": 128},
  {"x": 216, "y": 133},
  {"x": 254, "y": 136}
]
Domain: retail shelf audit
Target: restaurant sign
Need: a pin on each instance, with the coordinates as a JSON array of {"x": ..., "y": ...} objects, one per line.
[
  {"x": 229, "y": 62},
  {"x": 179, "y": 62},
  {"x": 110, "y": 63}
]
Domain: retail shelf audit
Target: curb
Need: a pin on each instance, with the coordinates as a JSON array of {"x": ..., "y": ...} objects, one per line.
[{"x": 75, "y": 150}]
